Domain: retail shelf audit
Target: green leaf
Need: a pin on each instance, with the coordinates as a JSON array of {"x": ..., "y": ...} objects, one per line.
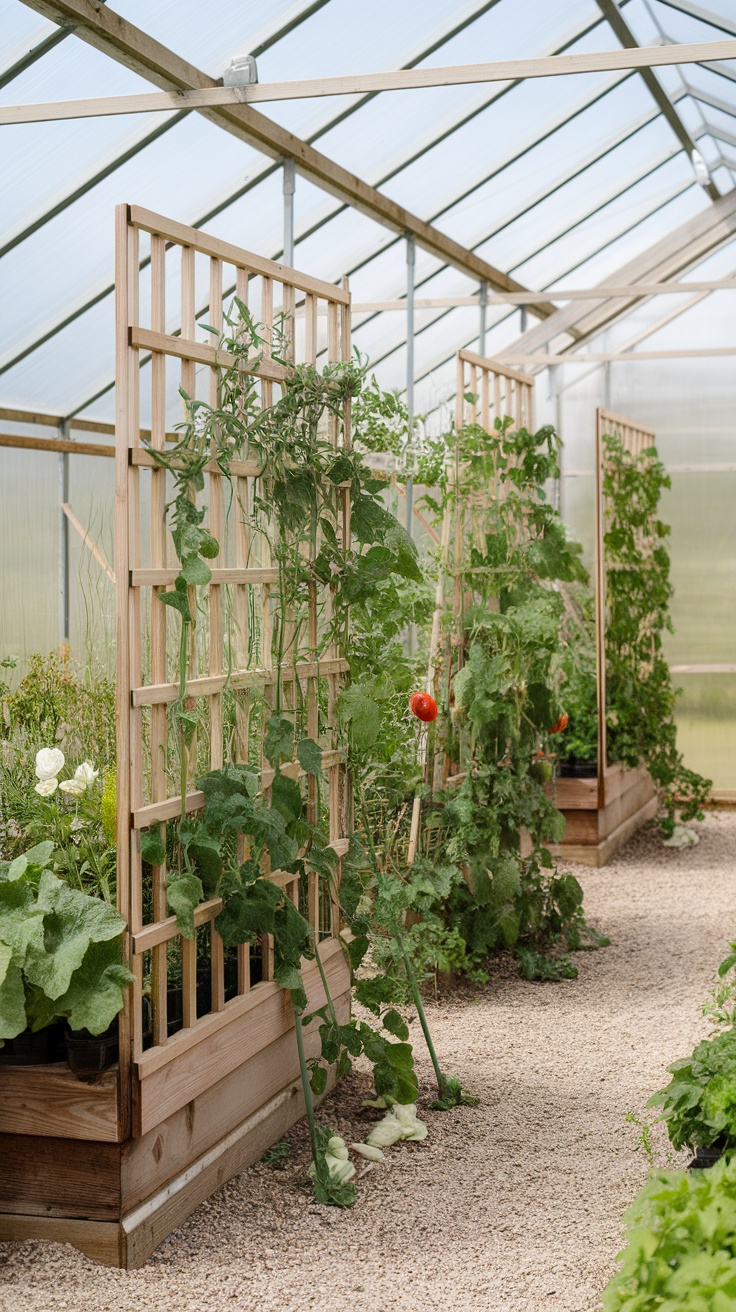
[
  {"x": 286, "y": 797},
  {"x": 12, "y": 995},
  {"x": 318, "y": 1080},
  {"x": 17, "y": 868},
  {"x": 71, "y": 922},
  {"x": 95, "y": 994},
  {"x": 361, "y": 715},
  {"x": 279, "y": 739},
  {"x": 195, "y": 572},
  {"x": 395, "y": 1024},
  {"x": 153, "y": 848},
  {"x": 184, "y": 892},
  {"x": 177, "y": 601},
  {"x": 309, "y": 756}
]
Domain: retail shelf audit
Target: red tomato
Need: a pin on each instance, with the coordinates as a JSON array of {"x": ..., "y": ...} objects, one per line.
[
  {"x": 423, "y": 706},
  {"x": 561, "y": 723}
]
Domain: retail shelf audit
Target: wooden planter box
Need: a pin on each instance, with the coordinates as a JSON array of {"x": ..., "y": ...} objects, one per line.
[
  {"x": 594, "y": 833},
  {"x": 203, "y": 1110}
]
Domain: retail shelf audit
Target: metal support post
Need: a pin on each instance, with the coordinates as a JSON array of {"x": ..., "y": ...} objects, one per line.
[
  {"x": 63, "y": 539},
  {"x": 483, "y": 308},
  {"x": 410, "y": 257},
  {"x": 289, "y": 188}
]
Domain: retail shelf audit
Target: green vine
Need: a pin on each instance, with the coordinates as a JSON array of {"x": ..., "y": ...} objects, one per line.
[
  {"x": 641, "y": 699},
  {"x": 308, "y": 481}
]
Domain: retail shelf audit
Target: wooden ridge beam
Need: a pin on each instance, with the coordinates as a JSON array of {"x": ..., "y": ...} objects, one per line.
[{"x": 107, "y": 31}]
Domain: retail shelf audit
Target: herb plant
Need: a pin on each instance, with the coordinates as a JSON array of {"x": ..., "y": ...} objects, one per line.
[
  {"x": 681, "y": 1249},
  {"x": 699, "y": 1103}
]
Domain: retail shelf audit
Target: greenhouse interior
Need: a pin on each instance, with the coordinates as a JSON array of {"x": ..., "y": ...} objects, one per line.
[{"x": 368, "y": 656}]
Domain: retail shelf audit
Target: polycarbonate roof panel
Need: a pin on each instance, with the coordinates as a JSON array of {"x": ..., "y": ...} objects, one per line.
[{"x": 548, "y": 179}]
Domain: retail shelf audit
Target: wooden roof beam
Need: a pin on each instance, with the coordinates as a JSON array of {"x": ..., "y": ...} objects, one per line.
[{"x": 107, "y": 31}]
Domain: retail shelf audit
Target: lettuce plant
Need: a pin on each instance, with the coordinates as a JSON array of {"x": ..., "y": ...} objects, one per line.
[
  {"x": 59, "y": 950},
  {"x": 681, "y": 1250}
]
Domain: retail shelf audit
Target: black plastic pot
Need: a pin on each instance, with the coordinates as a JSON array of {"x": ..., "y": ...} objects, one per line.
[
  {"x": 88, "y": 1054},
  {"x": 705, "y": 1157},
  {"x": 574, "y": 769},
  {"x": 39, "y": 1049}
]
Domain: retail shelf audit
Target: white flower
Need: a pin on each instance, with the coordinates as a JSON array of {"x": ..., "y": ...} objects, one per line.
[
  {"x": 74, "y": 787},
  {"x": 368, "y": 1150},
  {"x": 47, "y": 787},
  {"x": 49, "y": 761},
  {"x": 86, "y": 773}
]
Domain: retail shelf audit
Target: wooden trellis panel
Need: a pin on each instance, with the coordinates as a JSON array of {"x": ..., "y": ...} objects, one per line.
[
  {"x": 635, "y": 437},
  {"x": 486, "y": 390},
  {"x": 229, "y": 658}
]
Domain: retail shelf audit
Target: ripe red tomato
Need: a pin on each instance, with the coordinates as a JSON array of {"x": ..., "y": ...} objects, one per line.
[
  {"x": 561, "y": 723},
  {"x": 423, "y": 706}
]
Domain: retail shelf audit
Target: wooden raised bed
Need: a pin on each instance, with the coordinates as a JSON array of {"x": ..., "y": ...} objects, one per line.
[
  {"x": 594, "y": 833},
  {"x": 603, "y": 812},
  {"x": 71, "y": 1174},
  {"x": 112, "y": 1167}
]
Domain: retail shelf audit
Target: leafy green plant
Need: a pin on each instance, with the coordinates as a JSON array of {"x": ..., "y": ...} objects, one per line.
[
  {"x": 640, "y": 694},
  {"x": 60, "y": 954},
  {"x": 681, "y": 1249},
  {"x": 699, "y": 1103},
  {"x": 498, "y": 707},
  {"x": 720, "y": 1007},
  {"x": 297, "y": 510}
]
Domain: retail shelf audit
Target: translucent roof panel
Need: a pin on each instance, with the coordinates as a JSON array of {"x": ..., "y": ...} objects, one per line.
[{"x": 548, "y": 180}]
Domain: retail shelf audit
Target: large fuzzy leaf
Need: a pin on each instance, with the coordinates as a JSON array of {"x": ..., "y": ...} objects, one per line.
[
  {"x": 12, "y": 995},
  {"x": 184, "y": 893},
  {"x": 71, "y": 921},
  {"x": 95, "y": 995}
]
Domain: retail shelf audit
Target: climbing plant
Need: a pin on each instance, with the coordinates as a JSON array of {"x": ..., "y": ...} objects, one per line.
[
  {"x": 310, "y": 486},
  {"x": 497, "y": 680},
  {"x": 641, "y": 698}
]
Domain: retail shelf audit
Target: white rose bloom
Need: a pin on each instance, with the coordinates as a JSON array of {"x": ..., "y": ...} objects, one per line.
[
  {"x": 47, "y": 787},
  {"x": 74, "y": 787},
  {"x": 86, "y": 773},
  {"x": 49, "y": 761}
]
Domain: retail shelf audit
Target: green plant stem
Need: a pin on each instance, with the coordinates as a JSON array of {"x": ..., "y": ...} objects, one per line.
[
  {"x": 416, "y": 995},
  {"x": 325, "y": 985},
  {"x": 306, "y": 1087}
]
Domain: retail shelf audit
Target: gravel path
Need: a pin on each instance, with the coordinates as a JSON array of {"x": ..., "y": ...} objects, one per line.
[{"x": 511, "y": 1206}]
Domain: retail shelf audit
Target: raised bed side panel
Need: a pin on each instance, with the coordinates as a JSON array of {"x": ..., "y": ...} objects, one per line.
[
  {"x": 51, "y": 1102},
  {"x": 118, "y": 1201}
]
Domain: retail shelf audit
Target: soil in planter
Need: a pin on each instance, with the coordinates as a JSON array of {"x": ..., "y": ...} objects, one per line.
[
  {"x": 39, "y": 1049},
  {"x": 575, "y": 769},
  {"x": 706, "y": 1157},
  {"x": 174, "y": 997},
  {"x": 88, "y": 1054}
]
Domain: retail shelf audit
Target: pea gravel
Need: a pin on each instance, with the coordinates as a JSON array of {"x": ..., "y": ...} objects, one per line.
[{"x": 513, "y": 1205}]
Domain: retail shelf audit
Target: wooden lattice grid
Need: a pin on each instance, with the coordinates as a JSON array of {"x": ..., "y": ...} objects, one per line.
[
  {"x": 635, "y": 438},
  {"x": 236, "y": 657},
  {"x": 486, "y": 390}
]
